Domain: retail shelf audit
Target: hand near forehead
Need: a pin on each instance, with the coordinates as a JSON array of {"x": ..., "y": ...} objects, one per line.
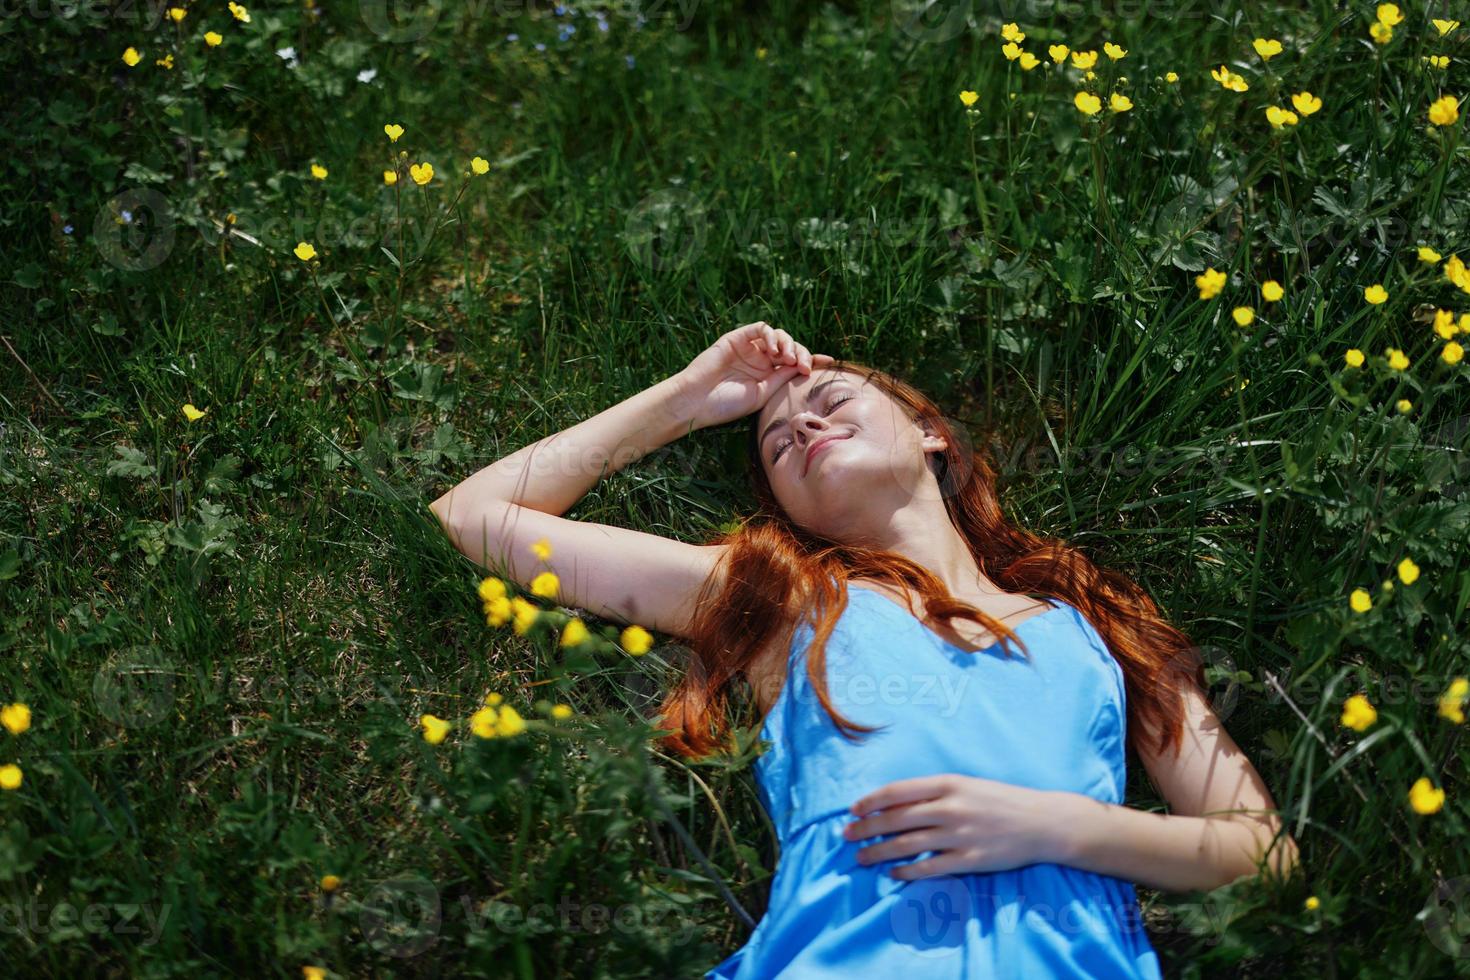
[{"x": 739, "y": 372}]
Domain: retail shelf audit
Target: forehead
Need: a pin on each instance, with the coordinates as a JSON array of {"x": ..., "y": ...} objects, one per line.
[{"x": 793, "y": 394}]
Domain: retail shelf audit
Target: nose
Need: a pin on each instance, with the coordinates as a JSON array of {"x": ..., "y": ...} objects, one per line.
[{"x": 809, "y": 426}]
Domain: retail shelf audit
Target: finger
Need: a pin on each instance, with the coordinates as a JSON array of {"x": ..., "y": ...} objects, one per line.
[
  {"x": 945, "y": 863},
  {"x": 767, "y": 386},
  {"x": 901, "y": 847},
  {"x": 902, "y": 791},
  {"x": 893, "y": 820},
  {"x": 788, "y": 347}
]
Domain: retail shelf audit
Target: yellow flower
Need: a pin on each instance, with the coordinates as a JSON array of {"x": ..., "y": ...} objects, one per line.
[
  {"x": 318, "y": 171},
  {"x": 511, "y": 722},
  {"x": 193, "y": 414},
  {"x": 10, "y": 776},
  {"x": 1453, "y": 353},
  {"x": 1437, "y": 60},
  {"x": 1271, "y": 291},
  {"x": 1444, "y": 110},
  {"x": 1058, "y": 53},
  {"x": 1380, "y": 32},
  {"x": 1113, "y": 51},
  {"x": 1210, "y": 283},
  {"x": 1408, "y": 571},
  {"x": 1451, "y": 704},
  {"x": 1229, "y": 79},
  {"x": 313, "y": 973},
  {"x": 394, "y": 131},
  {"x": 1279, "y": 117},
  {"x": 1397, "y": 360},
  {"x": 390, "y": 177},
  {"x": 331, "y": 883},
  {"x": 969, "y": 98},
  {"x": 1027, "y": 61},
  {"x": 1243, "y": 315},
  {"x": 1455, "y": 272},
  {"x": 494, "y": 699},
  {"x": 480, "y": 165},
  {"x": 131, "y": 57},
  {"x": 434, "y": 728},
  {"x": 491, "y": 587},
  {"x": 212, "y": 38},
  {"x": 1360, "y": 600},
  {"x": 541, "y": 549},
  {"x": 1445, "y": 26},
  {"x": 1171, "y": 77},
  {"x": 1011, "y": 50},
  {"x": 1389, "y": 14},
  {"x": 573, "y": 633},
  {"x": 241, "y": 14},
  {"x": 177, "y": 13},
  {"x": 1267, "y": 48},
  {"x": 421, "y": 173},
  {"x": 1358, "y": 713},
  {"x": 1424, "y": 797},
  {"x": 1011, "y": 32},
  {"x": 497, "y": 611},
  {"x": 760, "y": 54},
  {"x": 545, "y": 585},
  {"x": 1087, "y": 103},
  {"x": 1375, "y": 294},
  {"x": 1306, "y": 103},
  {"x": 637, "y": 640},
  {"x": 1404, "y": 406},
  {"x": 1083, "y": 60},
  {"x": 525, "y": 613},
  {"x": 1444, "y": 324},
  {"x": 1119, "y": 103},
  {"x": 15, "y": 717},
  {"x": 1427, "y": 254},
  {"x": 1312, "y": 903},
  {"x": 1354, "y": 358},
  {"x": 483, "y": 723},
  {"x": 561, "y": 711},
  {"x": 304, "y": 251},
  {"x": 167, "y": 61}
]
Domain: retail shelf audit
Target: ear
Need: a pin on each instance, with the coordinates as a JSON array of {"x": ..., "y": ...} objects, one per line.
[{"x": 933, "y": 441}]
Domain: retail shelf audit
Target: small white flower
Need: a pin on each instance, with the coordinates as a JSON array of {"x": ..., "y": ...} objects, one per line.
[
  {"x": 288, "y": 55},
  {"x": 367, "y": 75}
]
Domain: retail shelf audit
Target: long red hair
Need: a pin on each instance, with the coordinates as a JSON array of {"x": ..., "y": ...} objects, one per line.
[{"x": 775, "y": 574}]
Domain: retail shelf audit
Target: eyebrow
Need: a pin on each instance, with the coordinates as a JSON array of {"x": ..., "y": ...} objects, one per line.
[{"x": 810, "y": 397}]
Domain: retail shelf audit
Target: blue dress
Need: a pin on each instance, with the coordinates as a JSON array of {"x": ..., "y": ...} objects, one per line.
[{"x": 1055, "y": 722}]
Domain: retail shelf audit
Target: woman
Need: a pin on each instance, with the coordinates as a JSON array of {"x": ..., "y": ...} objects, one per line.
[{"x": 944, "y": 802}]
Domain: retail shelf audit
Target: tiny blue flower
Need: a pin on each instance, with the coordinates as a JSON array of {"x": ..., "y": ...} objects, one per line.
[
  {"x": 512, "y": 37},
  {"x": 67, "y": 230},
  {"x": 540, "y": 46},
  {"x": 567, "y": 30},
  {"x": 127, "y": 216},
  {"x": 629, "y": 59}
]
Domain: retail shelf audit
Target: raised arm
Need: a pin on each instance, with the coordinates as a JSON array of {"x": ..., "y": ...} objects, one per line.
[{"x": 616, "y": 573}]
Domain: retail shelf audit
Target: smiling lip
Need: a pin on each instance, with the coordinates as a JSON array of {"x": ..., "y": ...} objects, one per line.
[{"x": 812, "y": 450}]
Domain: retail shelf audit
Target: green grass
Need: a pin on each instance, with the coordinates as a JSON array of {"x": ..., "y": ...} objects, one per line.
[{"x": 227, "y": 629}]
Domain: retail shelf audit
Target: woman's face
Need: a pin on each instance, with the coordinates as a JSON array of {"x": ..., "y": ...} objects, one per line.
[{"x": 839, "y": 453}]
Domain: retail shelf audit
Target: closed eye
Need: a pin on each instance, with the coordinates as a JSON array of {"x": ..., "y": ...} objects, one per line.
[{"x": 782, "y": 446}]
